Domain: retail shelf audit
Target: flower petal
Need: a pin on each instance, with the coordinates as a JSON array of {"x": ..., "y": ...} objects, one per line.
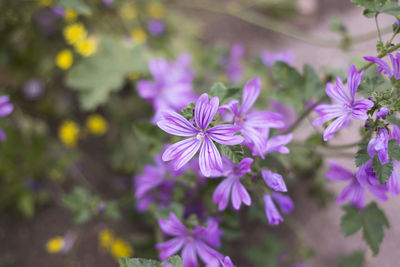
[
  {"x": 222, "y": 192},
  {"x": 239, "y": 195},
  {"x": 285, "y": 202},
  {"x": 225, "y": 134},
  {"x": 206, "y": 253},
  {"x": 382, "y": 65},
  {"x": 209, "y": 158},
  {"x": 147, "y": 89},
  {"x": 170, "y": 247},
  {"x": 205, "y": 110},
  {"x": 264, "y": 119},
  {"x": 244, "y": 166},
  {"x": 338, "y": 173},
  {"x": 182, "y": 151},
  {"x": 273, "y": 215},
  {"x": 353, "y": 80},
  {"x": 251, "y": 91},
  {"x": 175, "y": 124},
  {"x": 334, "y": 126},
  {"x": 360, "y": 108},
  {"x": 337, "y": 92},
  {"x": 172, "y": 226},
  {"x": 274, "y": 180},
  {"x": 189, "y": 257}
]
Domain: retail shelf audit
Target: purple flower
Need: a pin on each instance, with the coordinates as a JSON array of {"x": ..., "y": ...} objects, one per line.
[
  {"x": 232, "y": 185},
  {"x": 379, "y": 145},
  {"x": 172, "y": 87},
  {"x": 287, "y": 112},
  {"x": 274, "y": 144},
  {"x": 101, "y": 207},
  {"x": 385, "y": 68},
  {"x": 393, "y": 183},
  {"x": 227, "y": 262},
  {"x": 58, "y": 10},
  {"x": 272, "y": 213},
  {"x": 253, "y": 124},
  {"x": 346, "y": 107},
  {"x": 33, "y": 89},
  {"x": 234, "y": 70},
  {"x": 152, "y": 185},
  {"x": 274, "y": 180},
  {"x": 354, "y": 191},
  {"x": 156, "y": 27},
  {"x": 195, "y": 243},
  {"x": 5, "y": 109},
  {"x": 383, "y": 111},
  {"x": 202, "y": 138},
  {"x": 367, "y": 178},
  {"x": 269, "y": 58},
  {"x": 285, "y": 202}
]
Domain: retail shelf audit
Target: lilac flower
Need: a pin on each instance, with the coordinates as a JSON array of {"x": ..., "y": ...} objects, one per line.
[
  {"x": 287, "y": 112},
  {"x": 269, "y": 58},
  {"x": 272, "y": 213},
  {"x": 234, "y": 70},
  {"x": 156, "y": 27},
  {"x": 384, "y": 67},
  {"x": 227, "y": 262},
  {"x": 354, "y": 191},
  {"x": 202, "y": 137},
  {"x": 393, "y": 183},
  {"x": 152, "y": 185},
  {"x": 285, "y": 202},
  {"x": 253, "y": 124},
  {"x": 383, "y": 111},
  {"x": 379, "y": 145},
  {"x": 195, "y": 243},
  {"x": 346, "y": 107},
  {"x": 274, "y": 144},
  {"x": 274, "y": 180},
  {"x": 5, "y": 109},
  {"x": 33, "y": 88},
  {"x": 367, "y": 178},
  {"x": 172, "y": 87},
  {"x": 231, "y": 185}
]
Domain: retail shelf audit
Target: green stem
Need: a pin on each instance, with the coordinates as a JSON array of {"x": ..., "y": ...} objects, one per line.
[{"x": 377, "y": 27}]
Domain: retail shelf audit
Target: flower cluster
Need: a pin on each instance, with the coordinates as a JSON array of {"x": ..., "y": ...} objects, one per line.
[{"x": 5, "y": 109}]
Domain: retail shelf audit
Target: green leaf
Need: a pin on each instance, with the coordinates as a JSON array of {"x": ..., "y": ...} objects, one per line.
[
  {"x": 137, "y": 262},
  {"x": 373, "y": 7},
  {"x": 97, "y": 76},
  {"x": 382, "y": 171},
  {"x": 188, "y": 112},
  {"x": 313, "y": 88},
  {"x": 224, "y": 93},
  {"x": 355, "y": 259},
  {"x": 394, "y": 149},
  {"x": 79, "y": 6},
  {"x": 234, "y": 153},
  {"x": 372, "y": 220},
  {"x": 362, "y": 156},
  {"x": 176, "y": 261}
]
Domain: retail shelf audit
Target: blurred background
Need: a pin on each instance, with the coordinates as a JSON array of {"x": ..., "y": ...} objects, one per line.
[{"x": 79, "y": 133}]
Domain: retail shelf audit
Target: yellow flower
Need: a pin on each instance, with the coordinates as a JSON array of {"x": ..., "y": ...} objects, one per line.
[
  {"x": 134, "y": 75},
  {"x": 70, "y": 15},
  {"x": 96, "y": 124},
  {"x": 128, "y": 11},
  {"x": 106, "y": 239},
  {"x": 74, "y": 33},
  {"x": 139, "y": 35},
  {"x": 69, "y": 133},
  {"x": 64, "y": 59},
  {"x": 55, "y": 245},
  {"x": 45, "y": 3},
  {"x": 156, "y": 10},
  {"x": 86, "y": 47},
  {"x": 120, "y": 248}
]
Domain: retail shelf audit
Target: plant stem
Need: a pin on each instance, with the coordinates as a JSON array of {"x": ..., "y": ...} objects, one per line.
[{"x": 377, "y": 27}]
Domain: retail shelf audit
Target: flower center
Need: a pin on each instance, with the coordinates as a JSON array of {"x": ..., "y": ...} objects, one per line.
[
  {"x": 239, "y": 120},
  {"x": 200, "y": 135}
]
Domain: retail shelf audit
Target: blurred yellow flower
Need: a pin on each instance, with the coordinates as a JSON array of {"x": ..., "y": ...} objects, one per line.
[
  {"x": 139, "y": 36},
  {"x": 128, "y": 11},
  {"x": 134, "y": 75},
  {"x": 64, "y": 59},
  {"x": 45, "y": 3},
  {"x": 70, "y": 15},
  {"x": 86, "y": 47},
  {"x": 55, "y": 245},
  {"x": 96, "y": 124},
  {"x": 106, "y": 239},
  {"x": 155, "y": 10},
  {"x": 69, "y": 133},
  {"x": 74, "y": 33},
  {"x": 120, "y": 248}
]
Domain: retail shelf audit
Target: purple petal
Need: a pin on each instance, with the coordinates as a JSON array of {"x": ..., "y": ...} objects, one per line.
[
  {"x": 353, "y": 80},
  {"x": 274, "y": 180},
  {"x": 232, "y": 106},
  {"x": 273, "y": 216},
  {"x": 209, "y": 158},
  {"x": 206, "y": 253},
  {"x": 355, "y": 193},
  {"x": 264, "y": 119},
  {"x": 175, "y": 124},
  {"x": 394, "y": 180},
  {"x": 382, "y": 65},
  {"x": 222, "y": 192},
  {"x": 328, "y": 112},
  {"x": 227, "y": 262},
  {"x": 189, "y": 256},
  {"x": 170, "y": 247},
  {"x": 334, "y": 126},
  {"x": 383, "y": 111},
  {"x": 172, "y": 226},
  {"x": 251, "y": 91},
  {"x": 285, "y": 202},
  {"x": 396, "y": 65},
  {"x": 395, "y": 134},
  {"x": 210, "y": 234},
  {"x": 338, "y": 173},
  {"x": 182, "y": 151},
  {"x": 3, "y": 136},
  {"x": 158, "y": 68},
  {"x": 225, "y": 134},
  {"x": 151, "y": 178},
  {"x": 379, "y": 145},
  {"x": 147, "y": 89},
  {"x": 256, "y": 140},
  {"x": 360, "y": 108},
  {"x": 205, "y": 110},
  {"x": 239, "y": 195},
  {"x": 337, "y": 92},
  {"x": 277, "y": 144},
  {"x": 244, "y": 166}
]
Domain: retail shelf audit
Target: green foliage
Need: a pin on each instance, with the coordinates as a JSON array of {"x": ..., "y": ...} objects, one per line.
[
  {"x": 373, "y": 82},
  {"x": 382, "y": 171},
  {"x": 97, "y": 76},
  {"x": 372, "y": 220},
  {"x": 374, "y": 7},
  {"x": 224, "y": 93},
  {"x": 394, "y": 149},
  {"x": 188, "y": 112},
  {"x": 362, "y": 156},
  {"x": 79, "y": 6},
  {"x": 176, "y": 261},
  {"x": 355, "y": 259},
  {"x": 265, "y": 253},
  {"x": 297, "y": 89},
  {"x": 85, "y": 206},
  {"x": 234, "y": 153}
]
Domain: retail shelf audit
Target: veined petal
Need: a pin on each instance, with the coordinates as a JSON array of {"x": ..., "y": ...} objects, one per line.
[
  {"x": 189, "y": 257},
  {"x": 396, "y": 65},
  {"x": 256, "y": 140},
  {"x": 285, "y": 202},
  {"x": 355, "y": 193},
  {"x": 274, "y": 180},
  {"x": 170, "y": 247},
  {"x": 225, "y": 134},
  {"x": 182, "y": 151},
  {"x": 338, "y": 173},
  {"x": 172, "y": 226},
  {"x": 232, "y": 106},
  {"x": 205, "y": 110},
  {"x": 175, "y": 124},
  {"x": 337, "y": 93},
  {"x": 273, "y": 215},
  {"x": 209, "y": 158},
  {"x": 334, "y": 126},
  {"x": 251, "y": 91},
  {"x": 244, "y": 166},
  {"x": 328, "y": 112},
  {"x": 277, "y": 143},
  {"x": 206, "y": 253},
  {"x": 264, "y": 119},
  {"x": 222, "y": 192},
  {"x": 353, "y": 80},
  {"x": 394, "y": 180},
  {"x": 382, "y": 65},
  {"x": 360, "y": 108},
  {"x": 239, "y": 195}
]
